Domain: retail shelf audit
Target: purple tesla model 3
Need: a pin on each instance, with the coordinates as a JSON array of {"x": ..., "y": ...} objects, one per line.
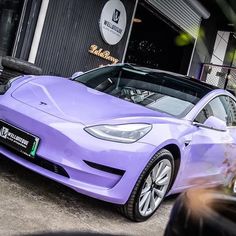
[{"x": 123, "y": 134}]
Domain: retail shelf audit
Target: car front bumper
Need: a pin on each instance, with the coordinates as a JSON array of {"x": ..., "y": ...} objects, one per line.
[
  {"x": 69, "y": 155},
  {"x": 112, "y": 183}
]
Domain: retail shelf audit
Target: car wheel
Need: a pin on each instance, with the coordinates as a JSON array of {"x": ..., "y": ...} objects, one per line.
[{"x": 151, "y": 187}]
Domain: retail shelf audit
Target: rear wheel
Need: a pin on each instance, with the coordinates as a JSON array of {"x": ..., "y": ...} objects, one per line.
[{"x": 151, "y": 187}]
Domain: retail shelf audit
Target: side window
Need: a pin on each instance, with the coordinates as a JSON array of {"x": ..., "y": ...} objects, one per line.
[
  {"x": 214, "y": 108},
  {"x": 204, "y": 114},
  {"x": 230, "y": 106}
]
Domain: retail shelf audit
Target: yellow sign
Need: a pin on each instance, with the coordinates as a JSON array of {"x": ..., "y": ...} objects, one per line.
[{"x": 102, "y": 53}]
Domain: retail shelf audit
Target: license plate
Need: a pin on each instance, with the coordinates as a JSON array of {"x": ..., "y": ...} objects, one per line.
[{"x": 18, "y": 139}]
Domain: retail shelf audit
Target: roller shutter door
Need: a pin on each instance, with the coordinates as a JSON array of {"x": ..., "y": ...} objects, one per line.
[{"x": 180, "y": 13}]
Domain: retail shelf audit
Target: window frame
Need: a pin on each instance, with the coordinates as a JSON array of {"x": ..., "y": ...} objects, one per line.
[
  {"x": 230, "y": 126},
  {"x": 217, "y": 96}
]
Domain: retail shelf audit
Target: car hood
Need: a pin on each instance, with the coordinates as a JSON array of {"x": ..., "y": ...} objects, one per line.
[{"x": 72, "y": 101}]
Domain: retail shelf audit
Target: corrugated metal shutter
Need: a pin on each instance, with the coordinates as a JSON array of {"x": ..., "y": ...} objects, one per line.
[{"x": 180, "y": 14}]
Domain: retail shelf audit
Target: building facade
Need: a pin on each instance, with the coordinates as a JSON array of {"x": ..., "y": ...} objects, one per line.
[{"x": 64, "y": 36}]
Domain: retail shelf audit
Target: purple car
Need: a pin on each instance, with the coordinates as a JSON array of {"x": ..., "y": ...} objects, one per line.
[{"x": 123, "y": 134}]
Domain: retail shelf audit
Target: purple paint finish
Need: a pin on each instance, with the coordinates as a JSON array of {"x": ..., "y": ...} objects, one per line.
[
  {"x": 57, "y": 110},
  {"x": 49, "y": 90}
]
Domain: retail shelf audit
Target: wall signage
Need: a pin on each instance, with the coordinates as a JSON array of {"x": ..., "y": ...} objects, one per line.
[
  {"x": 102, "y": 53},
  {"x": 113, "y": 21}
]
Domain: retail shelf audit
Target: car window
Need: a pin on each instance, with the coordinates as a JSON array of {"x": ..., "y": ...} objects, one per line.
[
  {"x": 214, "y": 108},
  {"x": 156, "y": 90},
  {"x": 230, "y": 107},
  {"x": 170, "y": 105}
]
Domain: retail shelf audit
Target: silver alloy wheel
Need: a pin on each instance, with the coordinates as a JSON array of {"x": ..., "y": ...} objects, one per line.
[{"x": 155, "y": 187}]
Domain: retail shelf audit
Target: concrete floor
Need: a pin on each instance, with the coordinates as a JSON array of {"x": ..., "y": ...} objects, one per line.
[{"x": 30, "y": 203}]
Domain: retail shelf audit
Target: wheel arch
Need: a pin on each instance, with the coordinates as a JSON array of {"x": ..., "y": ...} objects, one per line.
[
  {"x": 129, "y": 209},
  {"x": 175, "y": 151}
]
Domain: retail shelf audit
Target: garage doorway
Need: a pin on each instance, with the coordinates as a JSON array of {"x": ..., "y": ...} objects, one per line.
[{"x": 154, "y": 42}]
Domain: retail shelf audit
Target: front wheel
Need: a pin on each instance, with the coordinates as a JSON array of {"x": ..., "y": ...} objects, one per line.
[{"x": 151, "y": 187}]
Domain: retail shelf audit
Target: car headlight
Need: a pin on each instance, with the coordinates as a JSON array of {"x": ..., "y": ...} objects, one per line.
[{"x": 124, "y": 133}]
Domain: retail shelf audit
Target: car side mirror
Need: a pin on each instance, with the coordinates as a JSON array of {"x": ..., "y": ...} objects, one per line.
[
  {"x": 215, "y": 123},
  {"x": 76, "y": 74}
]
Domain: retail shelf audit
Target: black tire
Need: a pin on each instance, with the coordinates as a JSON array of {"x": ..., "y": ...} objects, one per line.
[
  {"x": 131, "y": 208},
  {"x": 18, "y": 65}
]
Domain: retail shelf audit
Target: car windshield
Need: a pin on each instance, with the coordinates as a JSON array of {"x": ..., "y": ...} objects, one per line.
[{"x": 157, "y": 90}]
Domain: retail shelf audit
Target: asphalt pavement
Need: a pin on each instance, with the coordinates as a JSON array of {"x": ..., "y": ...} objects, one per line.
[{"x": 30, "y": 203}]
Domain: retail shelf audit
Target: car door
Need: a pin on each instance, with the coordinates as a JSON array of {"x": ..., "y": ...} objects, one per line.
[
  {"x": 206, "y": 148},
  {"x": 230, "y": 154}
]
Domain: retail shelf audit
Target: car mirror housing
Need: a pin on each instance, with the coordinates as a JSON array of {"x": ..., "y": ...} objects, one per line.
[{"x": 213, "y": 122}]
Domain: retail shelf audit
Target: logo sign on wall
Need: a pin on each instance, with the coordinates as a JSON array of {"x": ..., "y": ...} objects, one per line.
[{"x": 113, "y": 21}]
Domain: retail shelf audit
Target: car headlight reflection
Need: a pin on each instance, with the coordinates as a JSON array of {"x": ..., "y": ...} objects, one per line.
[{"x": 124, "y": 133}]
